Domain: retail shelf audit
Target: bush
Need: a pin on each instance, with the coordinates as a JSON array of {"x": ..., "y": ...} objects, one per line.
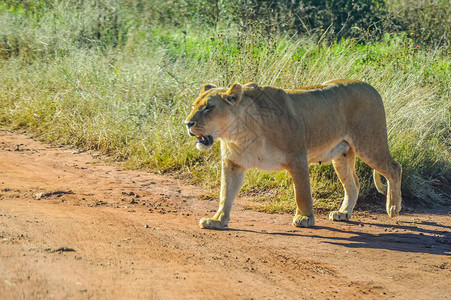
[{"x": 426, "y": 21}]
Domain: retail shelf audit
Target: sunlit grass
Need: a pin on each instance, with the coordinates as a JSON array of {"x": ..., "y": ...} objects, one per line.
[{"x": 130, "y": 101}]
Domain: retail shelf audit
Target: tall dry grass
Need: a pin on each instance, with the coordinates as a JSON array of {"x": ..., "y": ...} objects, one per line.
[{"x": 130, "y": 100}]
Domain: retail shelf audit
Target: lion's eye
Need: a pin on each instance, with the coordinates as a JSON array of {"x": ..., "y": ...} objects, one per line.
[{"x": 208, "y": 108}]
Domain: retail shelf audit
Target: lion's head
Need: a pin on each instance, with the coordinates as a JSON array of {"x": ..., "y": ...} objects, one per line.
[{"x": 212, "y": 114}]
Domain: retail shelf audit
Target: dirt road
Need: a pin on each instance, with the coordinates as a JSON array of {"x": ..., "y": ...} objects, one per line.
[{"x": 74, "y": 227}]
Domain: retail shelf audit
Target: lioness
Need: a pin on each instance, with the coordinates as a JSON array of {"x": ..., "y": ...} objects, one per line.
[{"x": 273, "y": 129}]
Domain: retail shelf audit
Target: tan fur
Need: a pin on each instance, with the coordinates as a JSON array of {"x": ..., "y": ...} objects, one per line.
[{"x": 273, "y": 129}]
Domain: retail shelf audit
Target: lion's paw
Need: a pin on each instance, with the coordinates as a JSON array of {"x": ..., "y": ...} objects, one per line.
[
  {"x": 303, "y": 221},
  {"x": 208, "y": 223},
  {"x": 339, "y": 216},
  {"x": 393, "y": 210}
]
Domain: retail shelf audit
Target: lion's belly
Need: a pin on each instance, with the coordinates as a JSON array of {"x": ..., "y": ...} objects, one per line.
[
  {"x": 267, "y": 157},
  {"x": 329, "y": 153},
  {"x": 274, "y": 162},
  {"x": 260, "y": 157}
]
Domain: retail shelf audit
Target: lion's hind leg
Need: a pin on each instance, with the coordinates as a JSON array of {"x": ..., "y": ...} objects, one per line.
[
  {"x": 345, "y": 167},
  {"x": 393, "y": 173},
  {"x": 384, "y": 164}
]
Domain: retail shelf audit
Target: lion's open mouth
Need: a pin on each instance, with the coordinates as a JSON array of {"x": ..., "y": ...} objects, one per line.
[{"x": 205, "y": 140}]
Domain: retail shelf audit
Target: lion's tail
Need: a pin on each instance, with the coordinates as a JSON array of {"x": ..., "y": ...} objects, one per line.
[{"x": 382, "y": 188}]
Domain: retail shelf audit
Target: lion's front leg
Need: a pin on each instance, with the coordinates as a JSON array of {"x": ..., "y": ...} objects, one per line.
[
  {"x": 304, "y": 212},
  {"x": 231, "y": 181}
]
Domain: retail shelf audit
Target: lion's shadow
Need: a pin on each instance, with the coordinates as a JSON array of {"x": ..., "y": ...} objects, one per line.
[{"x": 417, "y": 240}]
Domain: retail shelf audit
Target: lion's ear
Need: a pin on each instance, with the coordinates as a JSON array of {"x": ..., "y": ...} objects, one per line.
[
  {"x": 207, "y": 87},
  {"x": 233, "y": 95}
]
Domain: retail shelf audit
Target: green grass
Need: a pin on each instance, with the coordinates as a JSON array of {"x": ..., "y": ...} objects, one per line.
[{"x": 128, "y": 95}]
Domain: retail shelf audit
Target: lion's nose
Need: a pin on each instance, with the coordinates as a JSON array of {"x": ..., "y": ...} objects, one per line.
[{"x": 190, "y": 124}]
